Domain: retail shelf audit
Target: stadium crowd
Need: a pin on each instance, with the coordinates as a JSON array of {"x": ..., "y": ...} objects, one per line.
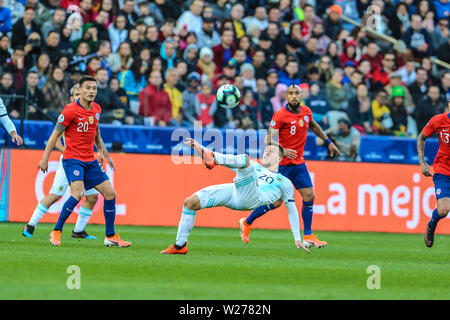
[{"x": 159, "y": 62}]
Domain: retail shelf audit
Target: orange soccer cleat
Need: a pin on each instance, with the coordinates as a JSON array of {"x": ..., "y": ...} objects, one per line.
[
  {"x": 312, "y": 241},
  {"x": 55, "y": 237},
  {"x": 116, "y": 241},
  {"x": 173, "y": 250},
  {"x": 245, "y": 230},
  {"x": 207, "y": 155}
]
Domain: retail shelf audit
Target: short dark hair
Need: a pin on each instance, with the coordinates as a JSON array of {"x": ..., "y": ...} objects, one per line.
[
  {"x": 344, "y": 121},
  {"x": 86, "y": 78}
]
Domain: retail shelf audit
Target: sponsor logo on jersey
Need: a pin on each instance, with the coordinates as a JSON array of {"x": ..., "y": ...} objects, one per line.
[
  {"x": 91, "y": 119},
  {"x": 301, "y": 123},
  {"x": 438, "y": 191},
  {"x": 292, "y": 122},
  {"x": 61, "y": 118},
  {"x": 79, "y": 119},
  {"x": 306, "y": 119},
  {"x": 76, "y": 172}
]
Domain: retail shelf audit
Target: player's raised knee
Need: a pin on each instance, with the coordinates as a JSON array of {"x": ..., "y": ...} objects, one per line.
[
  {"x": 247, "y": 161},
  {"x": 277, "y": 203},
  {"x": 443, "y": 208},
  {"x": 192, "y": 202}
]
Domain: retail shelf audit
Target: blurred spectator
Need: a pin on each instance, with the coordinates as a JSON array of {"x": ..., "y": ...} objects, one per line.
[
  {"x": 325, "y": 68},
  {"x": 207, "y": 105},
  {"x": 419, "y": 87},
  {"x": 42, "y": 67},
  {"x": 322, "y": 39},
  {"x": 205, "y": 65},
  {"x": 349, "y": 68},
  {"x": 155, "y": 103},
  {"x": 308, "y": 55},
  {"x": 439, "y": 35},
  {"x": 23, "y": 28},
  {"x": 237, "y": 13},
  {"x": 128, "y": 11},
  {"x": 279, "y": 100},
  {"x": 5, "y": 19},
  {"x": 398, "y": 111},
  {"x": 346, "y": 138},
  {"x": 373, "y": 56},
  {"x": 360, "y": 110},
  {"x": 56, "y": 92},
  {"x": 259, "y": 18},
  {"x": 349, "y": 53},
  {"x": 264, "y": 105},
  {"x": 224, "y": 51},
  {"x": 442, "y": 8},
  {"x": 246, "y": 113},
  {"x": 7, "y": 88},
  {"x": 221, "y": 9},
  {"x": 429, "y": 106},
  {"x": 175, "y": 95},
  {"x": 122, "y": 59},
  {"x": 408, "y": 72},
  {"x": 16, "y": 66},
  {"x": 32, "y": 49},
  {"x": 248, "y": 76},
  {"x": 118, "y": 32},
  {"x": 191, "y": 105},
  {"x": 5, "y": 55},
  {"x": 280, "y": 61},
  {"x": 86, "y": 10},
  {"x": 350, "y": 87},
  {"x": 332, "y": 23},
  {"x": 181, "y": 67},
  {"x": 333, "y": 54},
  {"x": 190, "y": 55},
  {"x": 336, "y": 92},
  {"x": 207, "y": 36},
  {"x": 418, "y": 39},
  {"x": 289, "y": 75},
  {"x": 260, "y": 64},
  {"x": 318, "y": 104},
  {"x": 381, "y": 76},
  {"x": 445, "y": 84},
  {"x": 106, "y": 97},
  {"x": 133, "y": 81},
  {"x": 272, "y": 81},
  {"x": 55, "y": 24},
  {"x": 34, "y": 96},
  {"x": 381, "y": 113},
  {"x": 400, "y": 21},
  {"x": 165, "y": 9},
  {"x": 52, "y": 46},
  {"x": 191, "y": 19},
  {"x": 118, "y": 91},
  {"x": 395, "y": 80}
]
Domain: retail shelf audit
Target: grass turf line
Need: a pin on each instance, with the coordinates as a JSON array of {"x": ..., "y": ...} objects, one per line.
[{"x": 220, "y": 266}]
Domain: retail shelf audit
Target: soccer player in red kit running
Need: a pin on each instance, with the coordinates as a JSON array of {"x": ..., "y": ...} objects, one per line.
[
  {"x": 439, "y": 124},
  {"x": 291, "y": 124},
  {"x": 79, "y": 122}
]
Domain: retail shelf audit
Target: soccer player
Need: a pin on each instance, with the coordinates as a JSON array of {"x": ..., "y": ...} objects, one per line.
[
  {"x": 59, "y": 187},
  {"x": 291, "y": 124},
  {"x": 79, "y": 123},
  {"x": 9, "y": 125},
  {"x": 439, "y": 124},
  {"x": 254, "y": 185}
]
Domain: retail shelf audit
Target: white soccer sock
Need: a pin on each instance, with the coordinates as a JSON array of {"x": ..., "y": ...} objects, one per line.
[
  {"x": 230, "y": 160},
  {"x": 83, "y": 218},
  {"x": 38, "y": 213},
  {"x": 185, "y": 226}
]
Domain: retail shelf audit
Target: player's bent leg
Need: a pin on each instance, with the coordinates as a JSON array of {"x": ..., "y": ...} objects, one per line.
[
  {"x": 112, "y": 238},
  {"x": 84, "y": 215},
  {"x": 190, "y": 206},
  {"x": 40, "y": 210},
  {"x": 245, "y": 224},
  {"x": 442, "y": 210}
]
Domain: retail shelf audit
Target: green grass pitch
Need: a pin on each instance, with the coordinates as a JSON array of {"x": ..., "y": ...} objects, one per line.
[{"x": 220, "y": 266}]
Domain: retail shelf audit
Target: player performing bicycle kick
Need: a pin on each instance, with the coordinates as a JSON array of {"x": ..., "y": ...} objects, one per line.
[{"x": 254, "y": 185}]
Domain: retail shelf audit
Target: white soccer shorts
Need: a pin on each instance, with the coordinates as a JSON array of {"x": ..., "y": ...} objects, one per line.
[
  {"x": 243, "y": 194},
  {"x": 60, "y": 183}
]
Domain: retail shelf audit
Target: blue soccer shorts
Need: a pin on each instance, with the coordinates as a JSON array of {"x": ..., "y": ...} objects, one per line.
[
  {"x": 298, "y": 174},
  {"x": 91, "y": 173},
  {"x": 441, "y": 185}
]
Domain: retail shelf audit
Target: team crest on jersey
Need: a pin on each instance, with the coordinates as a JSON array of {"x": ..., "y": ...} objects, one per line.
[
  {"x": 306, "y": 119},
  {"x": 272, "y": 123},
  {"x": 61, "y": 118},
  {"x": 300, "y": 122},
  {"x": 438, "y": 191},
  {"x": 76, "y": 172},
  {"x": 97, "y": 116},
  {"x": 91, "y": 119}
]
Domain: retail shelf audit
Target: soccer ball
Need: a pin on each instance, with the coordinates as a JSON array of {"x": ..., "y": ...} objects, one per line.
[{"x": 228, "y": 96}]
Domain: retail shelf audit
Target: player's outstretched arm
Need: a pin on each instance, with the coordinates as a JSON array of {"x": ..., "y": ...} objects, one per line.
[
  {"x": 59, "y": 146},
  {"x": 294, "y": 221},
  {"x": 54, "y": 137},
  {"x": 9, "y": 125},
  {"x": 318, "y": 131},
  {"x": 426, "y": 171}
]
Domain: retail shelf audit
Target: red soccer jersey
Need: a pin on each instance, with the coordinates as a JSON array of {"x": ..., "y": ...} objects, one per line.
[
  {"x": 293, "y": 130},
  {"x": 81, "y": 127},
  {"x": 441, "y": 125}
]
